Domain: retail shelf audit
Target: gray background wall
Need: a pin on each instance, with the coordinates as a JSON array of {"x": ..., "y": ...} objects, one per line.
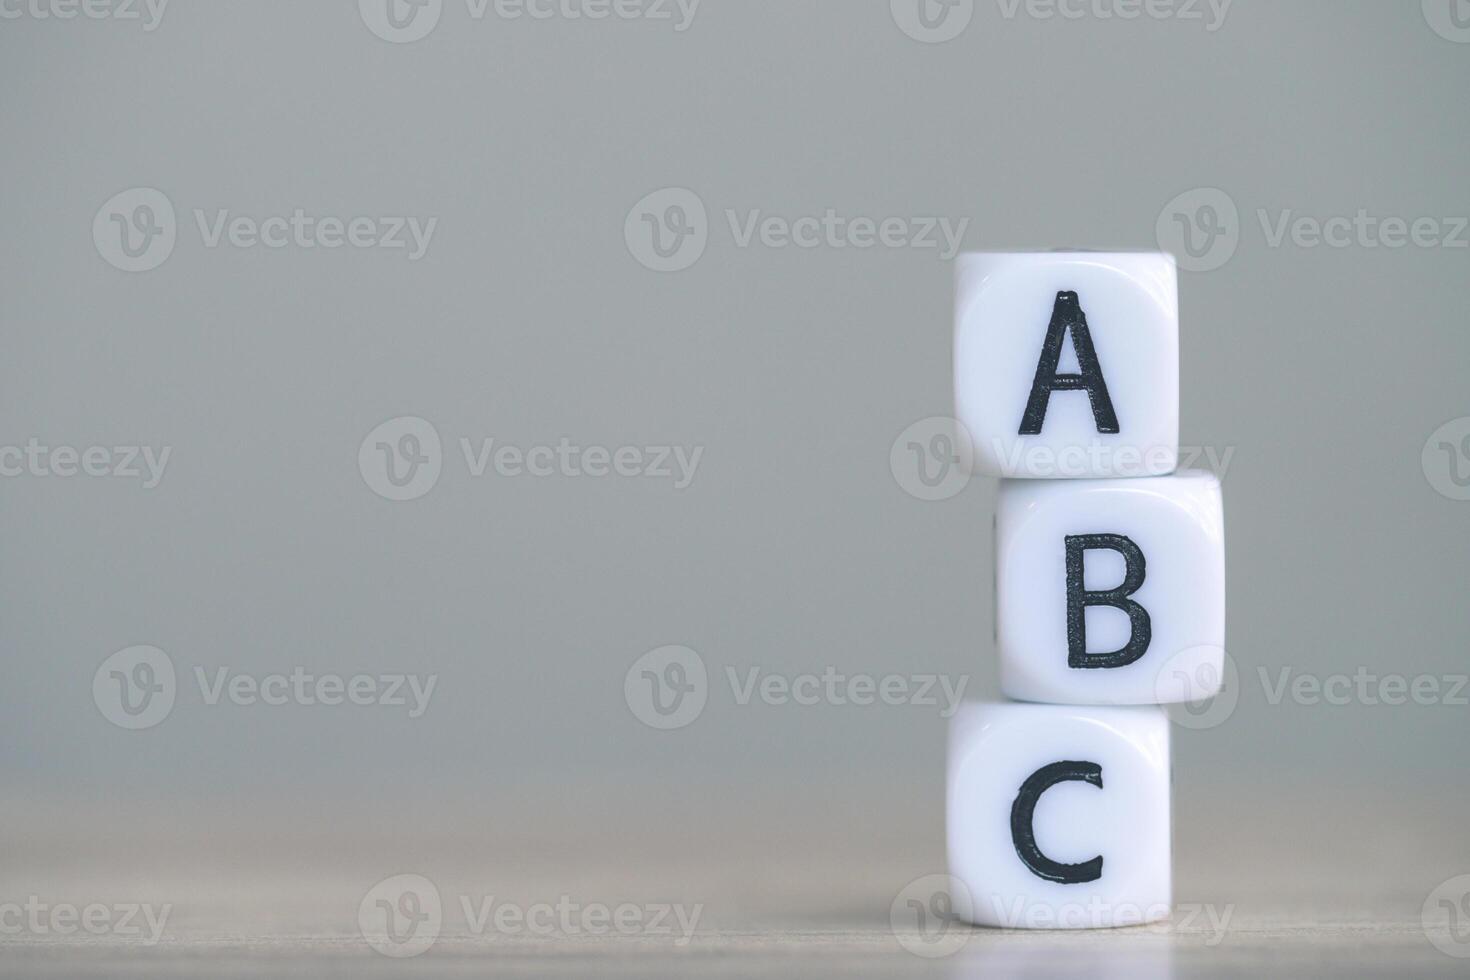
[{"x": 528, "y": 319}]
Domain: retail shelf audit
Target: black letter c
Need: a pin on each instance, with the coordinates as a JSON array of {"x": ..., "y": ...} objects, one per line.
[{"x": 1023, "y": 834}]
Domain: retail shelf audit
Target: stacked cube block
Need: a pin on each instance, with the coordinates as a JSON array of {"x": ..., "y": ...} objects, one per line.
[{"x": 1109, "y": 587}]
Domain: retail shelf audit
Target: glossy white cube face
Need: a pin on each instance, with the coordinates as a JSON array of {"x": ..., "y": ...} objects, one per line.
[
  {"x": 1111, "y": 591},
  {"x": 1066, "y": 364},
  {"x": 1058, "y": 817}
]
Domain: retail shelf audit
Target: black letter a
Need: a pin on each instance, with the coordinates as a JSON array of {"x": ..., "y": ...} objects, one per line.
[{"x": 1067, "y": 315}]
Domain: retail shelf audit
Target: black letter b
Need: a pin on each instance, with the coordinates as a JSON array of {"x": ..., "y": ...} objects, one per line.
[{"x": 1078, "y": 599}]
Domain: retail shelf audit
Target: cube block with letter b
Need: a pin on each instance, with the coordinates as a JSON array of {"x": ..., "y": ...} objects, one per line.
[{"x": 1111, "y": 591}]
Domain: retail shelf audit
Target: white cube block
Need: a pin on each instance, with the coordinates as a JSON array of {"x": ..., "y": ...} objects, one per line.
[
  {"x": 1066, "y": 364},
  {"x": 1111, "y": 591},
  {"x": 1058, "y": 817}
]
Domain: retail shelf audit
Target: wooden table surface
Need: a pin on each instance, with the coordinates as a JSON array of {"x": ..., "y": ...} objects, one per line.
[{"x": 1331, "y": 881}]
